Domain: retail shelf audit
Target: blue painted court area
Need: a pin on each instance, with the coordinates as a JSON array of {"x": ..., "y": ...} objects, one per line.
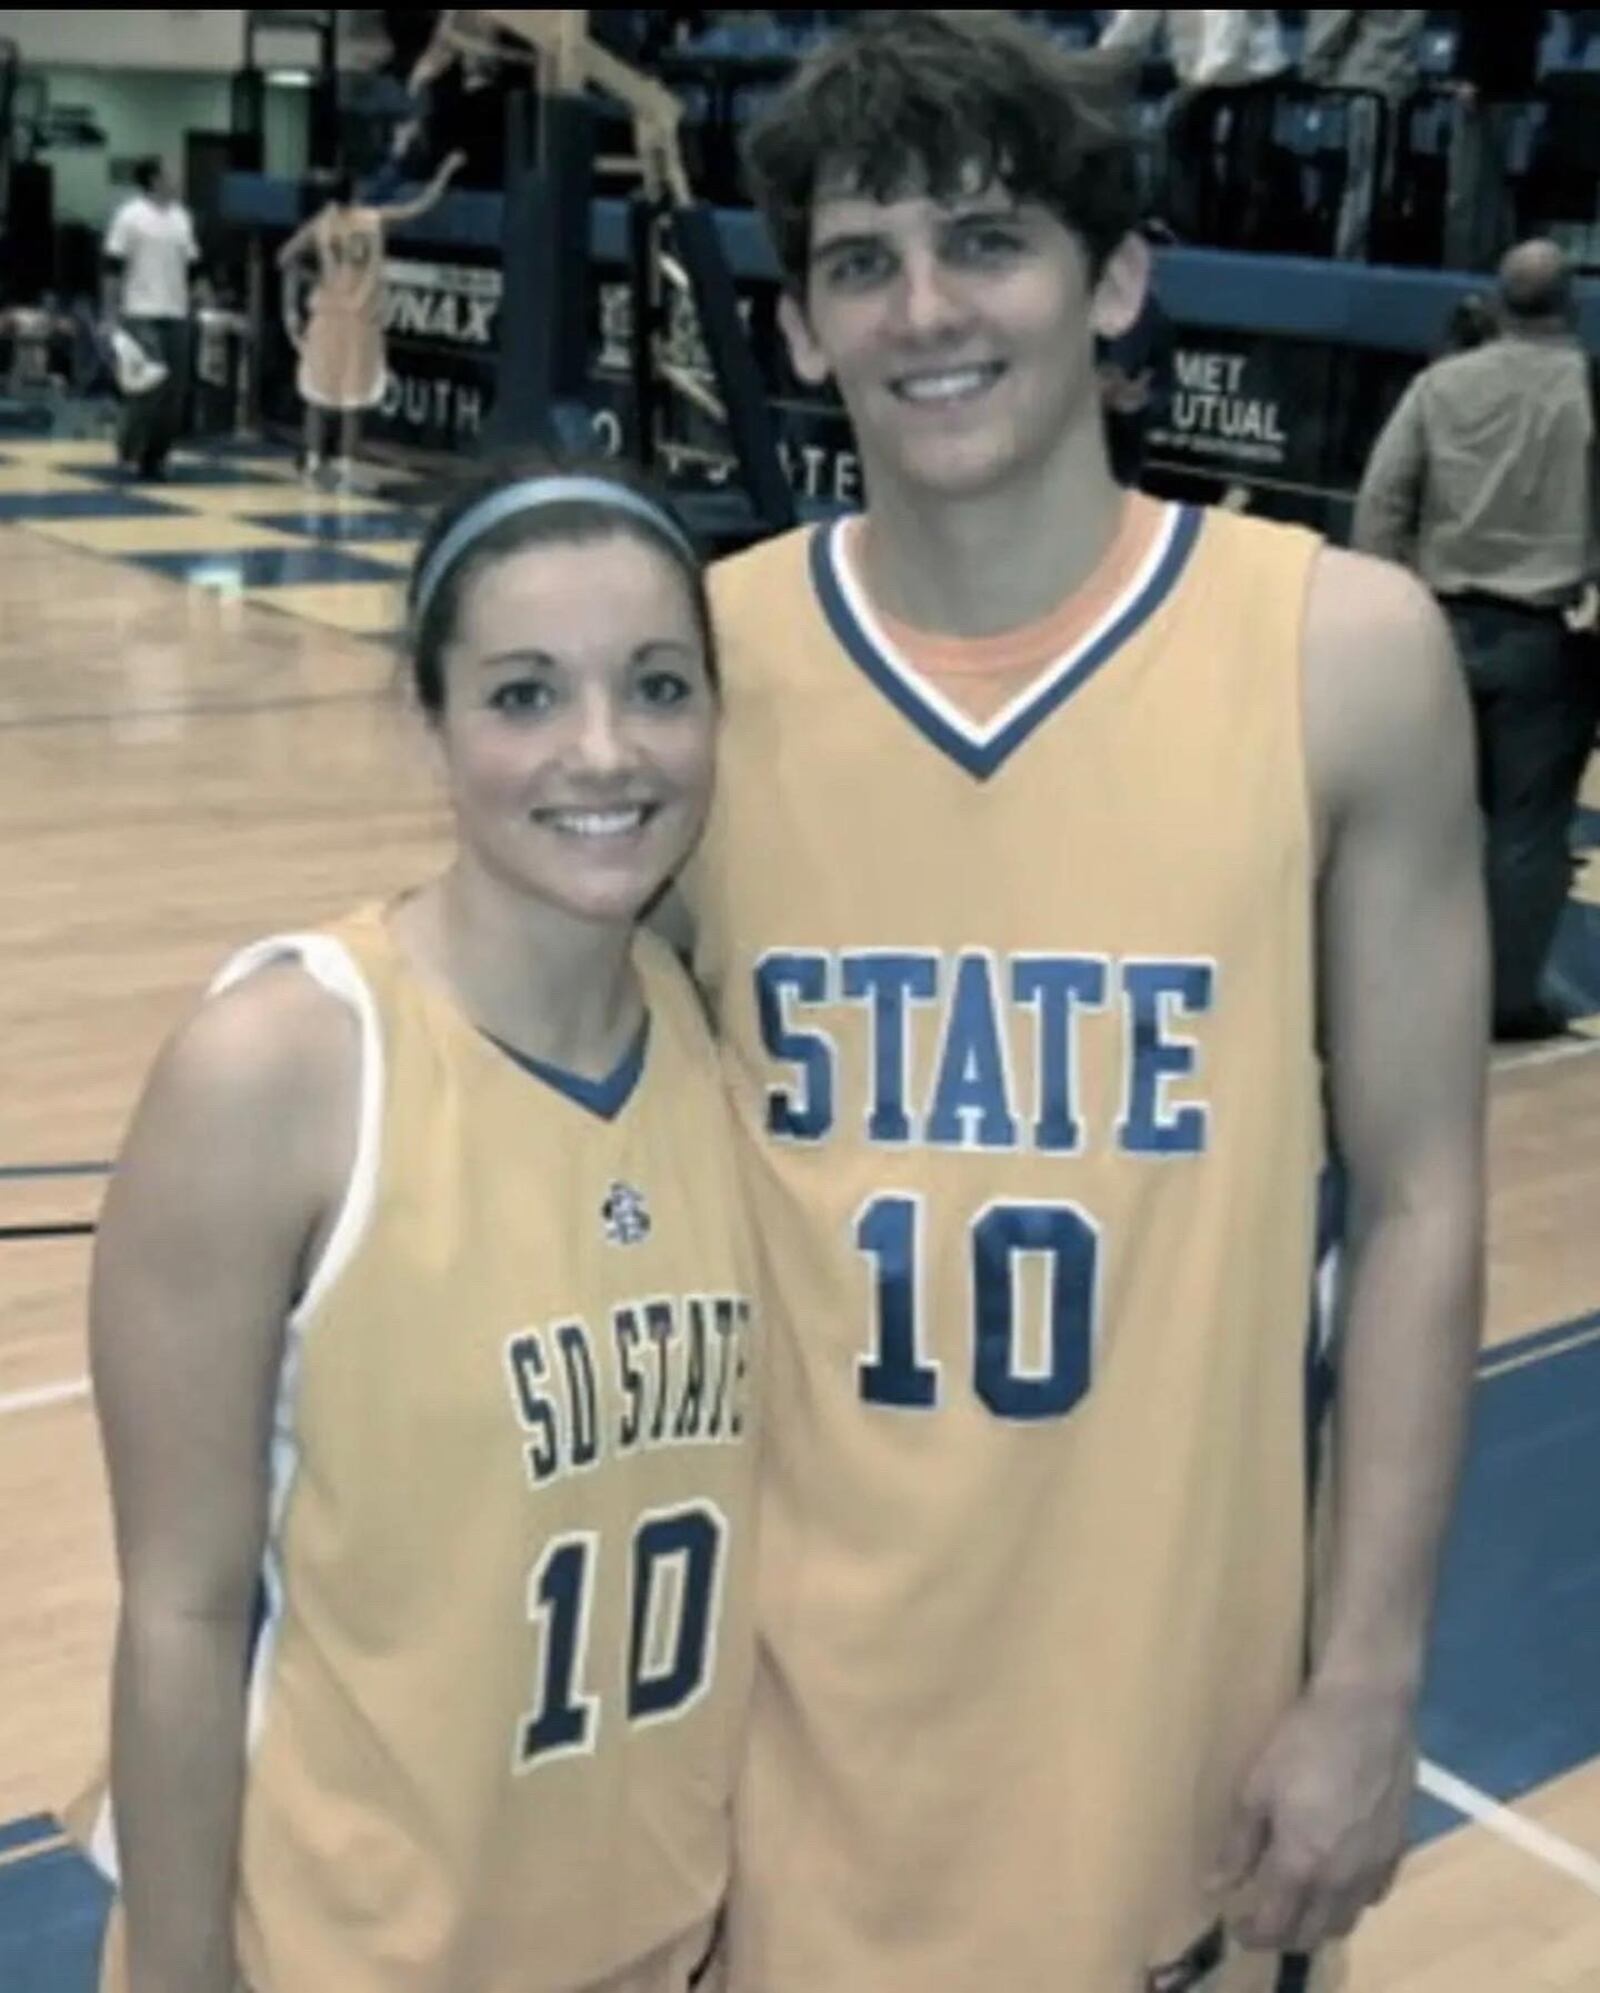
[
  {"x": 1513, "y": 1699},
  {"x": 328, "y": 558},
  {"x": 264, "y": 567},
  {"x": 52, "y": 1910},
  {"x": 24, "y": 507},
  {"x": 1573, "y": 978},
  {"x": 180, "y": 472},
  {"x": 387, "y": 523}
]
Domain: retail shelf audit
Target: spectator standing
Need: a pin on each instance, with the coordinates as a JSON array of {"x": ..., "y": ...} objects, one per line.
[
  {"x": 1376, "y": 50},
  {"x": 150, "y": 256},
  {"x": 1483, "y": 481},
  {"x": 1226, "y": 59}
]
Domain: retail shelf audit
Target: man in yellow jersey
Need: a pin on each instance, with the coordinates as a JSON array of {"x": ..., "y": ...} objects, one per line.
[{"x": 1086, "y": 873}]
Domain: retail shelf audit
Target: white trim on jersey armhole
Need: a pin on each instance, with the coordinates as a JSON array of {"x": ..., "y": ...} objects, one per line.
[
  {"x": 330, "y": 964},
  {"x": 102, "y": 1848}
]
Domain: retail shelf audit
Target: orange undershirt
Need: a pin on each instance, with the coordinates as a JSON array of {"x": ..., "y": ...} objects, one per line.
[{"x": 983, "y": 675}]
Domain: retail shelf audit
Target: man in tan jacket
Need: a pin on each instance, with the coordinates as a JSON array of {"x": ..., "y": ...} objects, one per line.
[{"x": 1483, "y": 482}]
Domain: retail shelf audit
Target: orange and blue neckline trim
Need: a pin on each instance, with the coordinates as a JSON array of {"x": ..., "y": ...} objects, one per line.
[{"x": 981, "y": 748}]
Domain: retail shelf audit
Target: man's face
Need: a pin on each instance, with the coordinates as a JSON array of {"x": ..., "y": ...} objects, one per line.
[{"x": 960, "y": 333}]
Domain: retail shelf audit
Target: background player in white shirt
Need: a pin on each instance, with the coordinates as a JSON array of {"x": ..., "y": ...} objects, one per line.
[{"x": 150, "y": 255}]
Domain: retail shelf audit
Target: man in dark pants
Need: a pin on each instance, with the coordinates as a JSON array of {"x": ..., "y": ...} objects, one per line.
[
  {"x": 1482, "y": 481},
  {"x": 1533, "y": 691},
  {"x": 150, "y": 255}
]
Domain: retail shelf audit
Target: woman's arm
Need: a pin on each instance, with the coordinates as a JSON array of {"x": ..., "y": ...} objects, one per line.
[
  {"x": 429, "y": 198},
  {"x": 238, "y": 1152},
  {"x": 298, "y": 245}
]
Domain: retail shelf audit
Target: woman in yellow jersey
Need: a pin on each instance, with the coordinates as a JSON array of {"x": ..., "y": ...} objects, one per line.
[
  {"x": 422, "y": 1345},
  {"x": 344, "y": 366}
]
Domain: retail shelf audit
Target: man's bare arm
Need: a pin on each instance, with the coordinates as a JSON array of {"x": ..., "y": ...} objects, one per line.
[
  {"x": 1404, "y": 992},
  {"x": 1404, "y": 979}
]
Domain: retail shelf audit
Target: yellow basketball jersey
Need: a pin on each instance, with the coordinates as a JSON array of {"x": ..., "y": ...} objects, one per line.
[
  {"x": 349, "y": 246},
  {"x": 1019, "y": 1019},
  {"x": 503, "y": 1675}
]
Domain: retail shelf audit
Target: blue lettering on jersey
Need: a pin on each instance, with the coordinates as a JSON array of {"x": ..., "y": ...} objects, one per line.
[
  {"x": 935, "y": 1051},
  {"x": 562, "y": 1724},
  {"x": 889, "y": 1232},
  {"x": 1069, "y": 1244},
  {"x": 890, "y": 982},
  {"x": 628, "y": 1335},
  {"x": 691, "y": 1406},
  {"x": 672, "y": 1373},
  {"x": 739, "y": 1341},
  {"x": 1152, "y": 991},
  {"x": 1059, "y": 986},
  {"x": 536, "y": 1410},
  {"x": 971, "y": 1107},
  {"x": 805, "y": 978},
  {"x": 660, "y": 1325},
  {"x": 674, "y": 1592},
  {"x": 729, "y": 1318},
  {"x": 572, "y": 1339},
  {"x": 688, "y": 1542}
]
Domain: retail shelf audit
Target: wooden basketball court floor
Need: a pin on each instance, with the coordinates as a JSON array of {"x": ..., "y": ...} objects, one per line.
[{"x": 187, "y": 763}]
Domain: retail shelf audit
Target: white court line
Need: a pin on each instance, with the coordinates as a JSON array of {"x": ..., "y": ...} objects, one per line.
[
  {"x": 47, "y": 1394},
  {"x": 1548, "y": 1055},
  {"x": 1513, "y": 1828},
  {"x": 1509, "y": 1361}
]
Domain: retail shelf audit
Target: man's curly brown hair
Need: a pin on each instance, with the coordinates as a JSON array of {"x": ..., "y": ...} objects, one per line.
[{"x": 926, "y": 101}]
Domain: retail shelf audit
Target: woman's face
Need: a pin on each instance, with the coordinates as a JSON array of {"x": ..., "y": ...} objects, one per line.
[{"x": 579, "y": 724}]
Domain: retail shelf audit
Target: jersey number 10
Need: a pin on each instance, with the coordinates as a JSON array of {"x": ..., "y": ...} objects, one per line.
[
  {"x": 899, "y": 1372},
  {"x": 674, "y": 1602}
]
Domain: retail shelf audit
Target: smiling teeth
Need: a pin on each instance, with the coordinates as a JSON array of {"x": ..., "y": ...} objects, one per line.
[
  {"x": 946, "y": 387},
  {"x": 594, "y": 823}
]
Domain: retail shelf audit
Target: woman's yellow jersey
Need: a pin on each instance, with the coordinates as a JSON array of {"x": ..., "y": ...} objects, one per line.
[{"x": 501, "y": 1681}]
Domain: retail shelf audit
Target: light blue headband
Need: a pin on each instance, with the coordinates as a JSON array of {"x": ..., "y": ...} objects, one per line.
[{"x": 533, "y": 495}]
